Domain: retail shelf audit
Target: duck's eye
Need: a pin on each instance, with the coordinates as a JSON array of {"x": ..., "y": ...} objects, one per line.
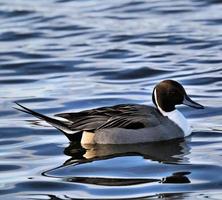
[{"x": 172, "y": 92}]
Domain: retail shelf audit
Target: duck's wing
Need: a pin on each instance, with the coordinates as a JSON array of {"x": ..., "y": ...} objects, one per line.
[
  {"x": 128, "y": 116},
  {"x": 135, "y": 117},
  {"x": 120, "y": 116}
]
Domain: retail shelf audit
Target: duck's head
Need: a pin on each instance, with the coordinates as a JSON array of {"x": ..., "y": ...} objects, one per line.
[{"x": 168, "y": 93}]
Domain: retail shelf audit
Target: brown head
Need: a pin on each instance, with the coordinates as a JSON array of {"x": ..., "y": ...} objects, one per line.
[{"x": 169, "y": 93}]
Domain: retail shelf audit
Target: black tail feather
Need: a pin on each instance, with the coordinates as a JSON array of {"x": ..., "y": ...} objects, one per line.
[{"x": 62, "y": 126}]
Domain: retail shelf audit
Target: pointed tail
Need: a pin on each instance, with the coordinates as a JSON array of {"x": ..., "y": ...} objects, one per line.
[{"x": 62, "y": 126}]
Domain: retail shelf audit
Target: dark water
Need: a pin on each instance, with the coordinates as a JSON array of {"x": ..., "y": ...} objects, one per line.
[{"x": 61, "y": 55}]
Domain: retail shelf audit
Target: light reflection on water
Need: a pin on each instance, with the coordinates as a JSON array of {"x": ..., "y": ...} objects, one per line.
[{"x": 58, "y": 56}]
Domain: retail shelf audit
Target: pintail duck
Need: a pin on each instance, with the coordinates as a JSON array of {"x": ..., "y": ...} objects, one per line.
[{"x": 127, "y": 123}]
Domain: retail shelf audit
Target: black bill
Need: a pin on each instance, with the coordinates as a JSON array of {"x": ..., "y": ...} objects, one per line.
[{"x": 187, "y": 101}]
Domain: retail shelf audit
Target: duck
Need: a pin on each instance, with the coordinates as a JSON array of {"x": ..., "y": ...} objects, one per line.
[{"x": 127, "y": 123}]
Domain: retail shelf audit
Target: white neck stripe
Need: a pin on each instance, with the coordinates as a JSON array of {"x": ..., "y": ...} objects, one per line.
[
  {"x": 175, "y": 116},
  {"x": 159, "y": 108}
]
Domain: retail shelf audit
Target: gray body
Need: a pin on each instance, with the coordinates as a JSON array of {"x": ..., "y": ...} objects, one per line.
[
  {"x": 165, "y": 131},
  {"x": 123, "y": 124}
]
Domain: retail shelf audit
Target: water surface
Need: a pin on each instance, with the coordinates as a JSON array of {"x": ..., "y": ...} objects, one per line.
[{"x": 61, "y": 56}]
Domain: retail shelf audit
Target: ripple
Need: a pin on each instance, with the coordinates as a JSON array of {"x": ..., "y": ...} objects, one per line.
[
  {"x": 140, "y": 73},
  {"x": 16, "y": 13},
  {"x": 8, "y": 167},
  {"x": 14, "y": 36},
  {"x": 115, "y": 53},
  {"x": 38, "y": 67},
  {"x": 16, "y": 81}
]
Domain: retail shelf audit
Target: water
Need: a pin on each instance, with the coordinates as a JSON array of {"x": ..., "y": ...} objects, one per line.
[{"x": 61, "y": 55}]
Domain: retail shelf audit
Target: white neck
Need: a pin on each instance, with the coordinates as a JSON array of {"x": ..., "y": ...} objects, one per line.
[{"x": 176, "y": 116}]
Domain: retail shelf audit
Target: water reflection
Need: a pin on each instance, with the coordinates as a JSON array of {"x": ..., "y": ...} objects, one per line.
[
  {"x": 175, "y": 178},
  {"x": 173, "y": 151}
]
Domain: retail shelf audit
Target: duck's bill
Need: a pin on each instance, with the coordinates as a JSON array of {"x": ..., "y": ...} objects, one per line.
[{"x": 189, "y": 102}]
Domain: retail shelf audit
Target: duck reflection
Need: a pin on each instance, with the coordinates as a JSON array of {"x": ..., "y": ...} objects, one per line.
[{"x": 173, "y": 151}]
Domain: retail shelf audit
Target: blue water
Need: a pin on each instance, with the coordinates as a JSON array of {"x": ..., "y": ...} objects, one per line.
[{"x": 61, "y": 55}]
